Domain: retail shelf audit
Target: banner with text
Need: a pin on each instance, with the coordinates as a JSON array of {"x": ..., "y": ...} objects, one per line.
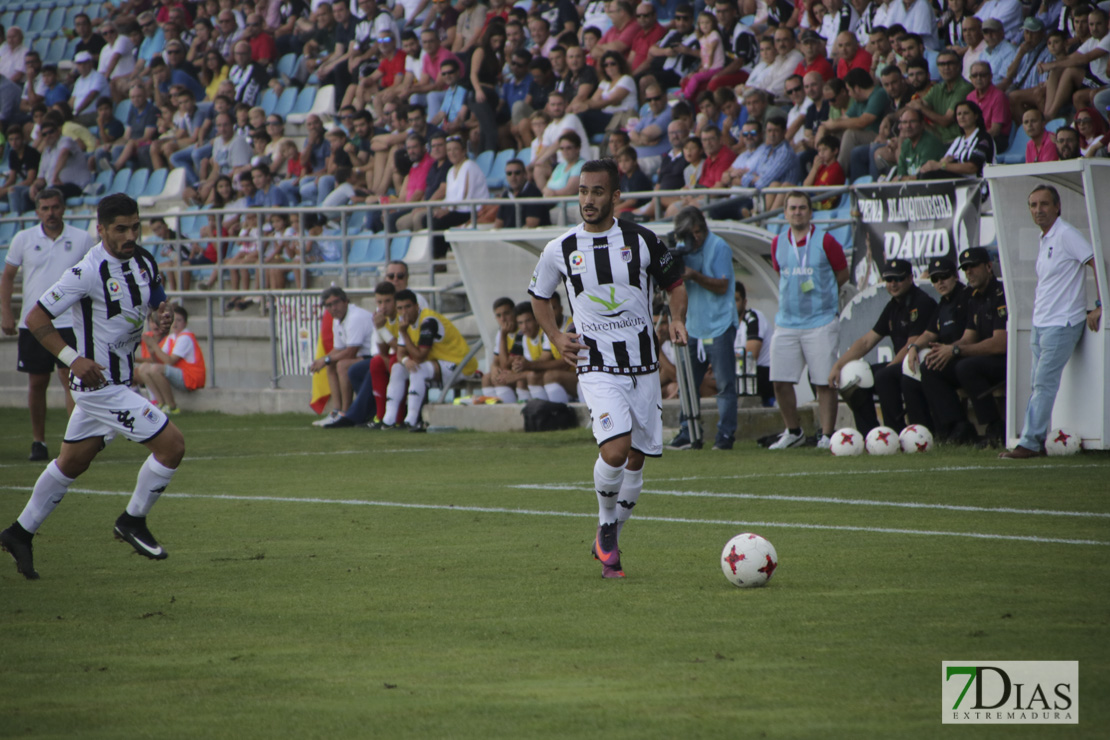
[{"x": 915, "y": 221}]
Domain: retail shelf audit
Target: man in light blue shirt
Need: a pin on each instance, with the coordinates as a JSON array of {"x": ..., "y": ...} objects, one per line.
[
  {"x": 711, "y": 319},
  {"x": 999, "y": 53},
  {"x": 775, "y": 161}
]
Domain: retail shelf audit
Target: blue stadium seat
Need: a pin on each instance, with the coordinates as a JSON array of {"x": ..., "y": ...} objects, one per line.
[
  {"x": 355, "y": 220},
  {"x": 57, "y": 51},
  {"x": 378, "y": 248},
  {"x": 156, "y": 182},
  {"x": 286, "y": 102},
  {"x": 1054, "y": 125},
  {"x": 357, "y": 254},
  {"x": 71, "y": 47},
  {"x": 41, "y": 46},
  {"x": 268, "y": 101},
  {"x": 190, "y": 223},
  {"x": 119, "y": 183},
  {"x": 863, "y": 180},
  {"x": 7, "y": 18},
  {"x": 23, "y": 18},
  {"x": 495, "y": 178},
  {"x": 97, "y": 190},
  {"x": 525, "y": 155},
  {"x": 38, "y": 21},
  {"x": 485, "y": 162},
  {"x": 137, "y": 182},
  {"x": 287, "y": 65},
  {"x": 7, "y": 231},
  {"x": 399, "y": 245},
  {"x": 1015, "y": 153},
  {"x": 122, "y": 111},
  {"x": 56, "y": 21},
  {"x": 304, "y": 100}
]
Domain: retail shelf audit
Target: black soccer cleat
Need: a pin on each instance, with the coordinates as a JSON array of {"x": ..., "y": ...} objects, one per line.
[
  {"x": 16, "y": 541},
  {"x": 133, "y": 531},
  {"x": 39, "y": 452}
]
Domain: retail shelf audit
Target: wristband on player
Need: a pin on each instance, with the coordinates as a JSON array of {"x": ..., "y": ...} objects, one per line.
[
  {"x": 68, "y": 355},
  {"x": 385, "y": 334}
]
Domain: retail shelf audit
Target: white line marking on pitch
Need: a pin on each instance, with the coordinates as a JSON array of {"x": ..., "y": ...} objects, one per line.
[
  {"x": 120, "y": 461},
  {"x": 841, "y": 501},
  {"x": 584, "y": 515},
  {"x": 893, "y": 471}
]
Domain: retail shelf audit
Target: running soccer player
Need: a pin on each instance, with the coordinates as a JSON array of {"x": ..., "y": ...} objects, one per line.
[
  {"x": 110, "y": 291},
  {"x": 610, "y": 268}
]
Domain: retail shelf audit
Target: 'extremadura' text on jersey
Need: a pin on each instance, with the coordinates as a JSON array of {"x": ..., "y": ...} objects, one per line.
[
  {"x": 609, "y": 280},
  {"x": 110, "y": 297}
]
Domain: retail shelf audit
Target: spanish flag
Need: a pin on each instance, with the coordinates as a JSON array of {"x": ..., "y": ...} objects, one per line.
[{"x": 320, "y": 390}]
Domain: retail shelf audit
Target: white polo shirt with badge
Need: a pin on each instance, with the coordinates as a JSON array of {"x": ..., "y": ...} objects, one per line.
[
  {"x": 356, "y": 330},
  {"x": 43, "y": 261},
  {"x": 1060, "y": 298}
]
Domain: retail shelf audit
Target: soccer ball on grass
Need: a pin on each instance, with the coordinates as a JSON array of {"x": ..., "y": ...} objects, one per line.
[
  {"x": 916, "y": 438},
  {"x": 1062, "y": 442},
  {"x": 749, "y": 560},
  {"x": 882, "y": 441},
  {"x": 846, "y": 442}
]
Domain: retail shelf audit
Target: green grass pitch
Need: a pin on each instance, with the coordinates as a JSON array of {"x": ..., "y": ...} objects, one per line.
[{"x": 357, "y": 584}]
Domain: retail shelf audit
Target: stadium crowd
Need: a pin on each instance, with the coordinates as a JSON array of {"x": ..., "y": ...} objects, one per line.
[{"x": 699, "y": 97}]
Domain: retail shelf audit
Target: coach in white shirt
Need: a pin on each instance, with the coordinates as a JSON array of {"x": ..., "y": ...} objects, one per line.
[
  {"x": 354, "y": 338},
  {"x": 45, "y": 252},
  {"x": 1059, "y": 313}
]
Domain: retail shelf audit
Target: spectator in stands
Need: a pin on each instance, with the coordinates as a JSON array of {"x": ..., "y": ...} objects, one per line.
[
  {"x": 1023, "y": 73},
  {"x": 23, "y": 170},
  {"x": 918, "y": 147},
  {"x": 999, "y": 52},
  {"x": 813, "y": 57},
  {"x": 1067, "y": 142},
  {"x": 917, "y": 75},
  {"x": 33, "y": 86},
  {"x": 1059, "y": 313},
  {"x": 826, "y": 170},
  {"x": 482, "y": 101},
  {"x": 176, "y": 362},
  {"x": 471, "y": 22},
  {"x": 712, "y": 57},
  {"x": 355, "y": 338},
  {"x": 430, "y": 83},
  {"x": 564, "y": 178},
  {"x": 454, "y": 115},
  {"x": 939, "y": 103},
  {"x": 263, "y": 48},
  {"x": 913, "y": 49},
  {"x": 170, "y": 251},
  {"x": 201, "y": 42},
  {"x": 429, "y": 348},
  {"x": 973, "y": 43},
  {"x": 227, "y": 33},
  {"x": 464, "y": 181},
  {"x": 806, "y": 326},
  {"x": 117, "y": 59},
  {"x": 718, "y": 157},
  {"x": 813, "y": 84},
  {"x": 188, "y": 121},
  {"x": 108, "y": 129},
  {"x": 90, "y": 41},
  {"x": 615, "y": 96},
  {"x": 904, "y": 319},
  {"x": 850, "y": 55},
  {"x": 1040, "y": 147},
  {"x": 671, "y": 168},
  {"x": 89, "y": 87},
  {"x": 13, "y": 56},
  {"x": 231, "y": 154},
  {"x": 753, "y": 345},
  {"x": 742, "y": 47},
  {"x": 1081, "y": 71},
  {"x": 796, "y": 116},
  {"x": 531, "y": 215},
  {"x": 1092, "y": 131},
  {"x": 62, "y": 165},
  {"x": 249, "y": 77},
  {"x": 993, "y": 103},
  {"x": 180, "y": 72},
  {"x": 975, "y": 362},
  {"x": 214, "y": 70},
  {"x": 544, "y": 161},
  {"x": 142, "y": 121},
  {"x": 56, "y": 91},
  {"x": 619, "y": 37},
  {"x": 969, "y": 152},
  {"x": 762, "y": 73},
  {"x": 649, "y": 134},
  {"x": 388, "y": 82},
  {"x": 314, "y": 188},
  {"x": 881, "y": 49},
  {"x": 860, "y": 124},
  {"x": 632, "y": 180},
  {"x": 413, "y": 185},
  {"x": 514, "y": 111},
  {"x": 674, "y": 56}
]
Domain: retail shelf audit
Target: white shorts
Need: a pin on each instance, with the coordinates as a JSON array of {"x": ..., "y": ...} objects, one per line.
[
  {"x": 114, "y": 410},
  {"x": 625, "y": 404},
  {"x": 792, "y": 349}
]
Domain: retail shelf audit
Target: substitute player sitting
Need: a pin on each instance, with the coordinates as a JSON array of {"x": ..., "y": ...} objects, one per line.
[
  {"x": 610, "y": 268},
  {"x": 177, "y": 362},
  {"x": 114, "y": 285},
  {"x": 429, "y": 348}
]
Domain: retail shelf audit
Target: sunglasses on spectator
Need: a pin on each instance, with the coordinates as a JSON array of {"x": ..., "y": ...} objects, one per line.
[
  {"x": 683, "y": 17},
  {"x": 654, "y": 99},
  {"x": 1081, "y": 121},
  {"x": 792, "y": 90},
  {"x": 513, "y": 173},
  {"x": 395, "y": 275},
  {"x": 979, "y": 74},
  {"x": 454, "y": 138},
  {"x": 645, "y": 15},
  {"x": 896, "y": 279},
  {"x": 347, "y": 116},
  {"x": 749, "y": 134},
  {"x": 385, "y": 39},
  {"x": 941, "y": 277},
  {"x": 947, "y": 64}
]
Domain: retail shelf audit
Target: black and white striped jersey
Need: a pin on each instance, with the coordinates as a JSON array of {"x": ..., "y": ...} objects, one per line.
[
  {"x": 610, "y": 280},
  {"x": 109, "y": 298}
]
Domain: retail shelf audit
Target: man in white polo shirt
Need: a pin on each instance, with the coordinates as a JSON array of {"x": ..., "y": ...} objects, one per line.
[
  {"x": 355, "y": 338},
  {"x": 45, "y": 252},
  {"x": 1059, "y": 314}
]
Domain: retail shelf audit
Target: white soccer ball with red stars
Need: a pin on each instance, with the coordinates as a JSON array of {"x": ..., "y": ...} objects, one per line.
[
  {"x": 1062, "y": 442},
  {"x": 846, "y": 442},
  {"x": 916, "y": 438},
  {"x": 749, "y": 560},
  {"x": 882, "y": 441}
]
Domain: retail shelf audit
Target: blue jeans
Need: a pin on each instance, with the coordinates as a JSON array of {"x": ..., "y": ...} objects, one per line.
[
  {"x": 362, "y": 407},
  {"x": 1052, "y": 348},
  {"x": 719, "y": 353}
]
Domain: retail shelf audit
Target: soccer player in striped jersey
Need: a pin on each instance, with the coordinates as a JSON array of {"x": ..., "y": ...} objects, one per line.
[
  {"x": 610, "y": 268},
  {"x": 111, "y": 292}
]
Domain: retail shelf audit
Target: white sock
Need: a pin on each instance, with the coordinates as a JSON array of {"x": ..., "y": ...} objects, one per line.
[
  {"x": 556, "y": 392},
  {"x": 538, "y": 391},
  {"x": 49, "y": 490},
  {"x": 418, "y": 383},
  {"x": 607, "y": 484},
  {"x": 154, "y": 477},
  {"x": 524, "y": 394},
  {"x": 505, "y": 393},
  {"x": 394, "y": 392},
  {"x": 631, "y": 486}
]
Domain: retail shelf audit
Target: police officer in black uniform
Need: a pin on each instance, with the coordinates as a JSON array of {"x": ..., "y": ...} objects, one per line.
[
  {"x": 946, "y": 325},
  {"x": 976, "y": 362},
  {"x": 905, "y": 317}
]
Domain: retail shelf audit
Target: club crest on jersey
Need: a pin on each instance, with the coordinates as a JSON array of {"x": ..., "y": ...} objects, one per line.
[
  {"x": 115, "y": 290},
  {"x": 577, "y": 263},
  {"x": 606, "y": 422},
  {"x": 150, "y": 415},
  {"x": 69, "y": 245},
  {"x": 626, "y": 254}
]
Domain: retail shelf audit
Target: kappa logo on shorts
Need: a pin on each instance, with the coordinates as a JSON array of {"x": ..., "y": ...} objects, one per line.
[
  {"x": 606, "y": 422},
  {"x": 125, "y": 419},
  {"x": 577, "y": 263}
]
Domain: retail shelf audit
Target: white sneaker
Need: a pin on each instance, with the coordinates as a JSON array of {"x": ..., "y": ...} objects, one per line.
[
  {"x": 788, "y": 439},
  {"x": 327, "y": 419},
  {"x": 824, "y": 443}
]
